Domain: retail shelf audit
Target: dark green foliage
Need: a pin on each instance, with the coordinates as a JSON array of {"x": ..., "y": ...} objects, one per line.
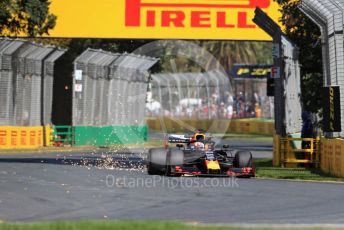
[
  {"x": 312, "y": 91},
  {"x": 25, "y": 17}
]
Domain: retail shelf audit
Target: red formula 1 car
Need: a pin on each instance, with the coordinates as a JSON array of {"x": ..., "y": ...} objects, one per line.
[{"x": 196, "y": 155}]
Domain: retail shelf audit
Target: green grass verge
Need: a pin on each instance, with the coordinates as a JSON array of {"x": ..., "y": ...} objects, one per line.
[
  {"x": 234, "y": 137},
  {"x": 120, "y": 225},
  {"x": 148, "y": 144},
  {"x": 43, "y": 150},
  {"x": 118, "y": 147},
  {"x": 240, "y": 137},
  {"x": 264, "y": 169},
  {"x": 245, "y": 137}
]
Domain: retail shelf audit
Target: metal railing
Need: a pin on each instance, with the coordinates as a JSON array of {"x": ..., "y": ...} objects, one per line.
[
  {"x": 308, "y": 153},
  {"x": 63, "y": 134}
]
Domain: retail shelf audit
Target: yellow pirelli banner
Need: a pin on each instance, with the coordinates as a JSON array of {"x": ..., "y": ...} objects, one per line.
[{"x": 161, "y": 19}]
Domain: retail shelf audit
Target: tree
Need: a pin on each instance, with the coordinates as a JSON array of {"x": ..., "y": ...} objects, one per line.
[
  {"x": 25, "y": 17},
  {"x": 306, "y": 35},
  {"x": 229, "y": 53}
]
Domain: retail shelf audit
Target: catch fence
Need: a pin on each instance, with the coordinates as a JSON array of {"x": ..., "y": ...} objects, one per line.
[
  {"x": 110, "y": 88},
  {"x": 26, "y": 82}
]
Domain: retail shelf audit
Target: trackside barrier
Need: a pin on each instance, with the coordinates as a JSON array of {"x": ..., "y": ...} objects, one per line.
[
  {"x": 332, "y": 156},
  {"x": 21, "y": 137},
  {"x": 62, "y": 134},
  {"x": 240, "y": 126},
  {"x": 276, "y": 161},
  {"x": 290, "y": 151},
  {"x": 48, "y": 135},
  {"x": 109, "y": 135}
]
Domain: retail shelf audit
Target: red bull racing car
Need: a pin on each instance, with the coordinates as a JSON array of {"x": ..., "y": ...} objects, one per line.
[{"x": 196, "y": 155}]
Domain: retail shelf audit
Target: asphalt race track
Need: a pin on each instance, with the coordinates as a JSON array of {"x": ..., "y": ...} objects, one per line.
[{"x": 116, "y": 186}]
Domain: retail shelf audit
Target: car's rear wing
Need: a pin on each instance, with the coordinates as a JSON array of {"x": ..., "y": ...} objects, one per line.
[{"x": 175, "y": 138}]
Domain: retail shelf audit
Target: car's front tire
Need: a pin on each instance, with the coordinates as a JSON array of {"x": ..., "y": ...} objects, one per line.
[
  {"x": 243, "y": 159},
  {"x": 156, "y": 164},
  {"x": 175, "y": 157}
]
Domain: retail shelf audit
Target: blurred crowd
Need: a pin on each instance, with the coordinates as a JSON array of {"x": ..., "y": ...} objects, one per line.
[{"x": 223, "y": 107}]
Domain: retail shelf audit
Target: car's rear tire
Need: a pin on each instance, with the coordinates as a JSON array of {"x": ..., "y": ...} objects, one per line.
[
  {"x": 243, "y": 159},
  {"x": 156, "y": 164},
  {"x": 175, "y": 157}
]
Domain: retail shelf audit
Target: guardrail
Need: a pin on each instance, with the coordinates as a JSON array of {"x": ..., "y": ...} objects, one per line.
[
  {"x": 63, "y": 134},
  {"x": 290, "y": 151}
]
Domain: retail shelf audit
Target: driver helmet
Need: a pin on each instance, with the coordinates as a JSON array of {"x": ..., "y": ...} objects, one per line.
[
  {"x": 198, "y": 137},
  {"x": 199, "y": 145}
]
